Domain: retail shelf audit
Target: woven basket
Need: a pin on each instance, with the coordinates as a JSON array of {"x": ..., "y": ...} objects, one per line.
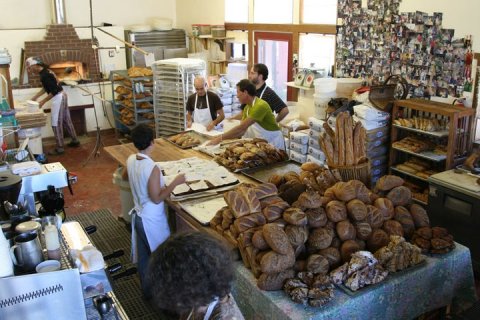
[{"x": 356, "y": 172}]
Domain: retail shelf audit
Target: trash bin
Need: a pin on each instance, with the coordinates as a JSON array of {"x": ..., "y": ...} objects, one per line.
[{"x": 126, "y": 198}]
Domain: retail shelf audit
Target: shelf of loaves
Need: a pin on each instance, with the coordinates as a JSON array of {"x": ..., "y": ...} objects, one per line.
[
  {"x": 438, "y": 134},
  {"x": 419, "y": 201},
  {"x": 408, "y": 174},
  {"x": 429, "y": 155}
]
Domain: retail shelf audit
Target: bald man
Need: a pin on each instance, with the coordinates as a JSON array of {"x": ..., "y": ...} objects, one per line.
[{"x": 204, "y": 107}]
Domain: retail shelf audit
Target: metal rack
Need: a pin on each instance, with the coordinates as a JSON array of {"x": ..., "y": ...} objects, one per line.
[
  {"x": 173, "y": 83},
  {"x": 136, "y": 87}
]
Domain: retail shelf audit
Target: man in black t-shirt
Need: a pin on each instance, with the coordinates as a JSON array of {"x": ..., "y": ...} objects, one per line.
[
  {"x": 204, "y": 107},
  {"x": 258, "y": 75},
  {"x": 59, "y": 109}
]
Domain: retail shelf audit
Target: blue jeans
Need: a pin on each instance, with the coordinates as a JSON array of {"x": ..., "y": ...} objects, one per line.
[{"x": 143, "y": 252}]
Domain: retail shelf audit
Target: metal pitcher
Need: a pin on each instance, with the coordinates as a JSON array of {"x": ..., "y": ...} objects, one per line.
[{"x": 27, "y": 251}]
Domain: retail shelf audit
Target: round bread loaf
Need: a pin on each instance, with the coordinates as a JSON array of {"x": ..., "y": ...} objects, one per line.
[
  {"x": 259, "y": 242},
  {"x": 319, "y": 238},
  {"x": 403, "y": 216},
  {"x": 421, "y": 243},
  {"x": 295, "y": 216},
  {"x": 276, "y": 179},
  {"x": 374, "y": 217},
  {"x": 439, "y": 232},
  {"x": 361, "y": 191},
  {"x": 316, "y": 217},
  {"x": 385, "y": 206},
  {"x": 362, "y": 244},
  {"x": 333, "y": 256},
  {"x": 310, "y": 166},
  {"x": 424, "y": 232},
  {"x": 344, "y": 191},
  {"x": 357, "y": 210},
  {"x": 346, "y": 230},
  {"x": 336, "y": 243},
  {"x": 317, "y": 264},
  {"x": 329, "y": 194},
  {"x": 336, "y": 211},
  {"x": 393, "y": 228},
  {"x": 265, "y": 202},
  {"x": 291, "y": 176},
  {"x": 300, "y": 265},
  {"x": 420, "y": 216},
  {"x": 378, "y": 239},
  {"x": 400, "y": 196},
  {"x": 388, "y": 182},
  {"x": 276, "y": 238},
  {"x": 347, "y": 249},
  {"x": 292, "y": 191},
  {"x": 297, "y": 235},
  {"x": 274, "y": 281},
  {"x": 310, "y": 199},
  {"x": 363, "y": 230},
  {"x": 273, "y": 262}
]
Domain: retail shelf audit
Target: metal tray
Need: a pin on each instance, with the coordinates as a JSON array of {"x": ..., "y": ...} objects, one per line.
[
  {"x": 192, "y": 133},
  {"x": 262, "y": 174}
]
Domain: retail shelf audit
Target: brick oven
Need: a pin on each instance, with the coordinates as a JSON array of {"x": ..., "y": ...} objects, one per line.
[{"x": 62, "y": 49}]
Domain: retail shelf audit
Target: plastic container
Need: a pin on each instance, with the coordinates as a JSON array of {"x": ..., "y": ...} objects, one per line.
[
  {"x": 126, "y": 198},
  {"x": 203, "y": 29},
  {"x": 218, "y": 31},
  {"x": 325, "y": 85},
  {"x": 195, "y": 30},
  {"x": 346, "y": 86},
  {"x": 34, "y": 144},
  {"x": 321, "y": 104}
]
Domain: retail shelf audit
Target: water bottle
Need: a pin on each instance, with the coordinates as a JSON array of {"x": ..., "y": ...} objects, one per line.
[{"x": 6, "y": 263}]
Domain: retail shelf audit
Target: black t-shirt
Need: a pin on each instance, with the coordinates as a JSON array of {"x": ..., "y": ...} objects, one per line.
[
  {"x": 213, "y": 101},
  {"x": 49, "y": 82},
  {"x": 273, "y": 100}
]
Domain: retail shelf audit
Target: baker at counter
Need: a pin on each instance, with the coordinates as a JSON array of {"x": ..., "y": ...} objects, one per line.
[
  {"x": 204, "y": 107},
  {"x": 258, "y": 120}
]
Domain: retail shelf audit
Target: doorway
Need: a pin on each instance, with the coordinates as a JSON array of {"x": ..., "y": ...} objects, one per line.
[{"x": 275, "y": 51}]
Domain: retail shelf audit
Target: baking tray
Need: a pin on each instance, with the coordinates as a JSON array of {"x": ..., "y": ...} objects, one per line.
[
  {"x": 203, "y": 209},
  {"x": 262, "y": 174},
  {"x": 374, "y": 286},
  {"x": 192, "y": 133}
]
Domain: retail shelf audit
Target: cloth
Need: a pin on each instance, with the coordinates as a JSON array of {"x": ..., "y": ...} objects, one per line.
[
  {"x": 202, "y": 116},
  {"x": 261, "y": 113},
  {"x": 49, "y": 82},
  {"x": 61, "y": 118},
  {"x": 154, "y": 217},
  {"x": 267, "y": 94},
  {"x": 214, "y": 103}
]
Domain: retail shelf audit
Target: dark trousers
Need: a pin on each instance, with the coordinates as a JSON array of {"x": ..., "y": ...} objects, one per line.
[{"x": 143, "y": 252}]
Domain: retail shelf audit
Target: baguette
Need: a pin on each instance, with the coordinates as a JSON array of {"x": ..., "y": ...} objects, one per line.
[
  {"x": 406, "y": 168},
  {"x": 356, "y": 142},
  {"x": 340, "y": 139},
  {"x": 349, "y": 156},
  {"x": 362, "y": 145},
  {"x": 329, "y": 130},
  {"x": 327, "y": 147}
]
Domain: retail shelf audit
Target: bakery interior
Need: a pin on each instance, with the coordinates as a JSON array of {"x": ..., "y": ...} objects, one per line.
[{"x": 370, "y": 212}]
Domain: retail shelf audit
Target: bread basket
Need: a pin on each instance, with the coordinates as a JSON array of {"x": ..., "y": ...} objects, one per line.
[{"x": 355, "y": 172}]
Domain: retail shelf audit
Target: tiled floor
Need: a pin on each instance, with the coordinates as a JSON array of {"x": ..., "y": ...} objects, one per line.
[{"x": 94, "y": 189}]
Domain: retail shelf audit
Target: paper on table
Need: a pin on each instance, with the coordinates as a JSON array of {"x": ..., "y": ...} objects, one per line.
[{"x": 202, "y": 129}]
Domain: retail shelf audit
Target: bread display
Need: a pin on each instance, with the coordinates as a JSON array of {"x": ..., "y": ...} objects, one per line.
[
  {"x": 433, "y": 240},
  {"x": 276, "y": 238},
  {"x": 403, "y": 216},
  {"x": 357, "y": 210},
  {"x": 400, "y": 196},
  {"x": 317, "y": 264},
  {"x": 385, "y": 207},
  {"x": 314, "y": 290},
  {"x": 345, "y": 146},
  {"x": 274, "y": 281},
  {"x": 185, "y": 140},
  {"x": 388, "y": 182},
  {"x": 319, "y": 238},
  {"x": 419, "y": 215},
  {"x": 399, "y": 255},
  {"x": 414, "y": 144},
  {"x": 274, "y": 262},
  {"x": 377, "y": 239},
  {"x": 134, "y": 72},
  {"x": 346, "y": 230},
  {"x": 336, "y": 211},
  {"x": 425, "y": 124},
  {"x": 316, "y": 217},
  {"x": 361, "y": 270},
  {"x": 250, "y": 153},
  {"x": 237, "y": 203},
  {"x": 392, "y": 227},
  {"x": 295, "y": 216}
]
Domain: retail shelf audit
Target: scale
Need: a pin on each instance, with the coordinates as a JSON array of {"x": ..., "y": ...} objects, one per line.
[{"x": 454, "y": 202}]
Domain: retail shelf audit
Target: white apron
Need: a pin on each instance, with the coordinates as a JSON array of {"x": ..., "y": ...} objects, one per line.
[
  {"x": 154, "y": 216},
  {"x": 275, "y": 138},
  {"x": 55, "y": 108},
  {"x": 202, "y": 116}
]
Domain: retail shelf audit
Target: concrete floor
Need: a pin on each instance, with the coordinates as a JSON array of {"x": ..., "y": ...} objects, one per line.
[{"x": 94, "y": 189}]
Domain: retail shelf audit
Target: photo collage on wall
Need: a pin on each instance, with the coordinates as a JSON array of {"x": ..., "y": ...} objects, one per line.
[{"x": 378, "y": 41}]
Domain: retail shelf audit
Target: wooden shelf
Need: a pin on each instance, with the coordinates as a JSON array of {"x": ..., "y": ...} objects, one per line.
[
  {"x": 419, "y": 202},
  {"x": 408, "y": 174},
  {"x": 293, "y": 85},
  {"x": 429, "y": 155},
  {"x": 438, "y": 134}
]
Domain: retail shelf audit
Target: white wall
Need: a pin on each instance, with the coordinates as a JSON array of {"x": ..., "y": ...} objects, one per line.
[{"x": 197, "y": 12}]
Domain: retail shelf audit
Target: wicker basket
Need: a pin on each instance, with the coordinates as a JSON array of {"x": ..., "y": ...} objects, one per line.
[{"x": 356, "y": 172}]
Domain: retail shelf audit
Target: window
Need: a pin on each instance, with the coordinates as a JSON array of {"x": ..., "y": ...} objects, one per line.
[
  {"x": 273, "y": 11},
  {"x": 317, "y": 51},
  {"x": 319, "y": 11},
  {"x": 236, "y": 11}
]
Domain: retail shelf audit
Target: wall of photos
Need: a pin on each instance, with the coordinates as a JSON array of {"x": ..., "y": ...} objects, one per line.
[{"x": 379, "y": 41}]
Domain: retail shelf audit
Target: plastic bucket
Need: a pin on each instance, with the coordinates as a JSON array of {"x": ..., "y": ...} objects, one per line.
[
  {"x": 321, "y": 105},
  {"x": 34, "y": 144},
  {"x": 325, "y": 85},
  {"x": 126, "y": 198}
]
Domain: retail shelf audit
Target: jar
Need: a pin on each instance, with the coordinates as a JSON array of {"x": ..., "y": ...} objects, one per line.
[{"x": 195, "y": 30}]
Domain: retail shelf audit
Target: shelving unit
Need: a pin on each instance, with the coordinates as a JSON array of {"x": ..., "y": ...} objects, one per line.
[
  {"x": 457, "y": 138},
  {"x": 173, "y": 83},
  {"x": 216, "y": 66},
  {"x": 134, "y": 107},
  {"x": 293, "y": 85}
]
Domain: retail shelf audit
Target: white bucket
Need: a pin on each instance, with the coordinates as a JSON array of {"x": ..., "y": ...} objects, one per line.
[
  {"x": 321, "y": 104},
  {"x": 325, "y": 85},
  {"x": 34, "y": 144},
  {"x": 29, "y": 133}
]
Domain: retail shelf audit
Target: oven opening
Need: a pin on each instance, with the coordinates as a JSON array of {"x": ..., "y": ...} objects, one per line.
[{"x": 70, "y": 70}]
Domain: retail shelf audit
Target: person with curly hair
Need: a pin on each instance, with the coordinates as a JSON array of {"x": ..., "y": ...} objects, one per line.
[
  {"x": 149, "y": 217},
  {"x": 191, "y": 275}
]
